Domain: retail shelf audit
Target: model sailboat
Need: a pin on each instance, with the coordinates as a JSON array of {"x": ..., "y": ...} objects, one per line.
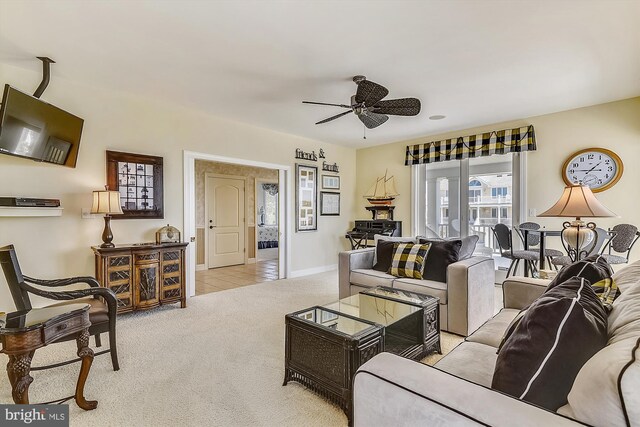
[{"x": 383, "y": 191}]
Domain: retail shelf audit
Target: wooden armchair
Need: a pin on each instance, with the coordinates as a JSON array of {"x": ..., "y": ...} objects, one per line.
[{"x": 102, "y": 313}]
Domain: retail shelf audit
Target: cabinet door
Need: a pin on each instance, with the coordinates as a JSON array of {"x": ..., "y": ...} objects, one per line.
[
  {"x": 119, "y": 280},
  {"x": 171, "y": 285},
  {"x": 147, "y": 279}
]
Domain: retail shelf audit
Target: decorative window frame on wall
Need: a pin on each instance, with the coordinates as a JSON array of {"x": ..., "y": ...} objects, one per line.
[
  {"x": 329, "y": 203},
  {"x": 306, "y": 191},
  {"x": 152, "y": 174}
]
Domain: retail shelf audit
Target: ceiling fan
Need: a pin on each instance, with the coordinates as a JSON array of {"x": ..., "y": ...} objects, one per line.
[{"x": 369, "y": 106}]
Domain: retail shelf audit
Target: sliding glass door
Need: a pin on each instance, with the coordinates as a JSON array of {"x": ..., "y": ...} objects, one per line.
[{"x": 467, "y": 197}]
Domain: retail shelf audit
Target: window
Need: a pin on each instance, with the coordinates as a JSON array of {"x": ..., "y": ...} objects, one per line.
[
  {"x": 499, "y": 192},
  {"x": 270, "y": 209},
  {"x": 494, "y": 213},
  {"x": 504, "y": 213}
]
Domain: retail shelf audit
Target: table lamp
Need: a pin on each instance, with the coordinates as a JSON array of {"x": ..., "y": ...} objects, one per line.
[
  {"x": 578, "y": 201},
  {"x": 108, "y": 203}
]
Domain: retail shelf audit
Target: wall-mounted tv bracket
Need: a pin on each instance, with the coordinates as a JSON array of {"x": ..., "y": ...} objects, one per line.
[{"x": 46, "y": 74}]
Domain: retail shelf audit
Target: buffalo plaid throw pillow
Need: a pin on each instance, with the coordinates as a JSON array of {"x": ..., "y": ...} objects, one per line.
[{"x": 408, "y": 259}]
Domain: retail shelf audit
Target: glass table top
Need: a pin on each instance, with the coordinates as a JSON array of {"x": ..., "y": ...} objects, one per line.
[
  {"x": 335, "y": 321},
  {"x": 374, "y": 309},
  {"x": 30, "y": 319}
]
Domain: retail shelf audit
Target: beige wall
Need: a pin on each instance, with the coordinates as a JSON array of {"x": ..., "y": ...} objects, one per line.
[
  {"x": 60, "y": 247},
  {"x": 614, "y": 125}
]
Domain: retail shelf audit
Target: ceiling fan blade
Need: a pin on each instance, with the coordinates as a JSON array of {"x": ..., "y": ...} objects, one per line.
[
  {"x": 337, "y": 116},
  {"x": 398, "y": 107},
  {"x": 372, "y": 120},
  {"x": 324, "y": 103},
  {"x": 370, "y": 93}
]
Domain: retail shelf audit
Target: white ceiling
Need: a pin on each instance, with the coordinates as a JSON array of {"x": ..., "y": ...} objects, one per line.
[{"x": 477, "y": 62}]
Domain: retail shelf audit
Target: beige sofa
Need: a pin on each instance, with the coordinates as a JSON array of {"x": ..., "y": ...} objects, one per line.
[
  {"x": 393, "y": 391},
  {"x": 466, "y": 299}
]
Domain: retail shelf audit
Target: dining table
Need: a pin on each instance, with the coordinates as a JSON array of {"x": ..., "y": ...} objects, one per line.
[{"x": 543, "y": 232}]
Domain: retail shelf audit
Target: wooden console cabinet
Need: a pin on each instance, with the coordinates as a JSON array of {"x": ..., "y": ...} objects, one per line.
[{"x": 143, "y": 276}]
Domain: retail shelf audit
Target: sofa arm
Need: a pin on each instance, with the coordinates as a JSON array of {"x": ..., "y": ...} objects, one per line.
[
  {"x": 390, "y": 390},
  {"x": 519, "y": 292},
  {"x": 470, "y": 294},
  {"x": 352, "y": 260}
]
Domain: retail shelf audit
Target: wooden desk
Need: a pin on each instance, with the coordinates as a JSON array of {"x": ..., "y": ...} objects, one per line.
[{"x": 23, "y": 332}]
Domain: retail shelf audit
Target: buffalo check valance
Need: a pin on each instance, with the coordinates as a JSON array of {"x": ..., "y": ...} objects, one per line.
[{"x": 481, "y": 145}]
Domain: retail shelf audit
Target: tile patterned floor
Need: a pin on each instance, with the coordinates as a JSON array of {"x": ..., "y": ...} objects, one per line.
[{"x": 223, "y": 278}]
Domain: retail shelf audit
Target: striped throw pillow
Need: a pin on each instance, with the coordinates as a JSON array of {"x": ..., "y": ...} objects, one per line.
[{"x": 408, "y": 260}]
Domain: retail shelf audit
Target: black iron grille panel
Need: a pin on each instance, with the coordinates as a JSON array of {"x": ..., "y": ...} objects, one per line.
[
  {"x": 147, "y": 284},
  {"x": 121, "y": 289},
  {"x": 119, "y": 275},
  {"x": 171, "y": 256},
  {"x": 147, "y": 257},
  {"x": 119, "y": 261},
  {"x": 171, "y": 268},
  {"x": 169, "y": 281},
  {"x": 172, "y": 293}
]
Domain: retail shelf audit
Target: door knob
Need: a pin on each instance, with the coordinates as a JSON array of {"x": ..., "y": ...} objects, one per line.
[{"x": 211, "y": 227}]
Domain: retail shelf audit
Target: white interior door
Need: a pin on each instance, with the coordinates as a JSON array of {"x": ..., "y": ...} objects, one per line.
[{"x": 225, "y": 221}]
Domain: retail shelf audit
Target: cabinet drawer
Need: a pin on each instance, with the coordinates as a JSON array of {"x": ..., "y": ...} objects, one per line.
[
  {"x": 65, "y": 327},
  {"x": 146, "y": 257}
]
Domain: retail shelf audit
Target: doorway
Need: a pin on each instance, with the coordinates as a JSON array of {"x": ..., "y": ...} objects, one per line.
[
  {"x": 194, "y": 222},
  {"x": 267, "y": 194}
]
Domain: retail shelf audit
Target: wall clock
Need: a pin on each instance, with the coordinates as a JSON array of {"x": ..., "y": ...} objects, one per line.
[{"x": 597, "y": 168}]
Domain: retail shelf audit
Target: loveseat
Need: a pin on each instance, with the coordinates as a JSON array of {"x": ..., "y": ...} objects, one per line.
[
  {"x": 390, "y": 390},
  {"x": 466, "y": 298}
]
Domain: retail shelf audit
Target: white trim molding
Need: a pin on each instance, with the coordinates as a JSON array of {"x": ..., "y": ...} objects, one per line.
[
  {"x": 314, "y": 270},
  {"x": 189, "y": 220}
]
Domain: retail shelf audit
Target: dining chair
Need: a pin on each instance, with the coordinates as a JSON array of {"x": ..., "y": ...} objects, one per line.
[
  {"x": 503, "y": 236},
  {"x": 624, "y": 237},
  {"x": 533, "y": 239},
  {"x": 602, "y": 236},
  {"x": 102, "y": 313}
]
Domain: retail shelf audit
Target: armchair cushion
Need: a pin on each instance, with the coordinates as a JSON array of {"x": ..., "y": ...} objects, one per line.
[
  {"x": 370, "y": 278},
  {"x": 98, "y": 312}
]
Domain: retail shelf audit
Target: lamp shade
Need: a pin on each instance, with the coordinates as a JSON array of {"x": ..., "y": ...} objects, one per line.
[
  {"x": 578, "y": 201},
  {"x": 106, "y": 202}
]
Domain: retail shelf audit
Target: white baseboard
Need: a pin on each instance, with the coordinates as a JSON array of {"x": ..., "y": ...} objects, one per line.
[
  {"x": 251, "y": 261},
  {"x": 201, "y": 267},
  {"x": 314, "y": 270}
]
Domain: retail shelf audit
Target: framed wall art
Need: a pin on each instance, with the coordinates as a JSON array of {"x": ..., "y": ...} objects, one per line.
[
  {"x": 306, "y": 198},
  {"x": 330, "y": 182},
  {"x": 138, "y": 178},
  {"x": 329, "y": 203}
]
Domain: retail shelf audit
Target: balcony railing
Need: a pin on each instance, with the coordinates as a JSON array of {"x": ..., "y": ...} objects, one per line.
[
  {"x": 486, "y": 237},
  {"x": 481, "y": 200}
]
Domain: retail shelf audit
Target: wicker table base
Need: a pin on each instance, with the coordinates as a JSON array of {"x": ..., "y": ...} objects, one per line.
[{"x": 325, "y": 359}]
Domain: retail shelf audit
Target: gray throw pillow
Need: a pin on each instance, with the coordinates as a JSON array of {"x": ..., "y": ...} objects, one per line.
[{"x": 468, "y": 246}]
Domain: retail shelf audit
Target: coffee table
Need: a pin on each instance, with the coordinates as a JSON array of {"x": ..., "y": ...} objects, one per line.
[{"x": 325, "y": 345}]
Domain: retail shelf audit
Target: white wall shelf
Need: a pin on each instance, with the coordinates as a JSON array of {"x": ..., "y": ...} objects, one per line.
[{"x": 13, "y": 211}]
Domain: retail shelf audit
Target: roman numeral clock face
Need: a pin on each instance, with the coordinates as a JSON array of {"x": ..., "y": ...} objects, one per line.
[{"x": 597, "y": 168}]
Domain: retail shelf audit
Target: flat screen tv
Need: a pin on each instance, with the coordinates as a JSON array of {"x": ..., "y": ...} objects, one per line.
[{"x": 37, "y": 130}]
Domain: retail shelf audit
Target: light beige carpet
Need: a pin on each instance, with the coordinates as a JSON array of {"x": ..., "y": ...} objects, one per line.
[{"x": 219, "y": 362}]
